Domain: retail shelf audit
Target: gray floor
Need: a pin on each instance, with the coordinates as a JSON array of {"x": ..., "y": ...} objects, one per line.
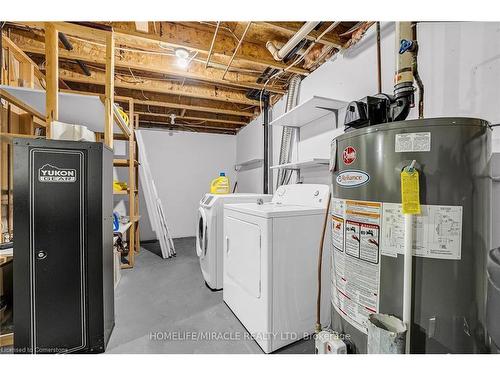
[{"x": 163, "y": 306}]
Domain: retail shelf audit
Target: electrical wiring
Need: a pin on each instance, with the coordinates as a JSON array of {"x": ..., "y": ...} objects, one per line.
[{"x": 221, "y": 27}]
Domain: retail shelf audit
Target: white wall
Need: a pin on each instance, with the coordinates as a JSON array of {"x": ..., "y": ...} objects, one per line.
[
  {"x": 249, "y": 146},
  {"x": 183, "y": 165},
  {"x": 459, "y": 63}
]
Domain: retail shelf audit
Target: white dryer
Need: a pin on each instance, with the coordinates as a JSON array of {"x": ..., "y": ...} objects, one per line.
[
  {"x": 270, "y": 264},
  {"x": 209, "y": 240}
]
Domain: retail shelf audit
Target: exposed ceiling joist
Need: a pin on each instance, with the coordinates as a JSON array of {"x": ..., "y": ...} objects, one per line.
[
  {"x": 162, "y": 87},
  {"x": 168, "y": 126},
  {"x": 193, "y": 118},
  {"x": 141, "y": 61},
  {"x": 166, "y": 119},
  {"x": 202, "y": 113},
  {"x": 176, "y": 35},
  {"x": 195, "y": 108}
]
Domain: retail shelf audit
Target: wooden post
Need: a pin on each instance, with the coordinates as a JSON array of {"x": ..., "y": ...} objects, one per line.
[
  {"x": 52, "y": 76},
  {"x": 28, "y": 74},
  {"x": 136, "y": 172},
  {"x": 110, "y": 89},
  {"x": 131, "y": 183}
]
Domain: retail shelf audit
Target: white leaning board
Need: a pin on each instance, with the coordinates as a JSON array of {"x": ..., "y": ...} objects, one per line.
[{"x": 153, "y": 202}]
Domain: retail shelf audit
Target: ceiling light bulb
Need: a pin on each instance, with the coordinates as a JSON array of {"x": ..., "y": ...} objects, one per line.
[
  {"x": 182, "y": 53},
  {"x": 182, "y": 63}
]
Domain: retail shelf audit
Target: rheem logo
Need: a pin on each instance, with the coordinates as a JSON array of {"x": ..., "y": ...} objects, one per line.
[{"x": 349, "y": 155}]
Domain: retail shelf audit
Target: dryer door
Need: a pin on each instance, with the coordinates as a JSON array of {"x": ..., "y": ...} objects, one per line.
[
  {"x": 243, "y": 254},
  {"x": 201, "y": 234}
]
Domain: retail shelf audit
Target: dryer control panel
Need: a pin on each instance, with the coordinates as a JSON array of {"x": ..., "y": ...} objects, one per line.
[{"x": 315, "y": 195}]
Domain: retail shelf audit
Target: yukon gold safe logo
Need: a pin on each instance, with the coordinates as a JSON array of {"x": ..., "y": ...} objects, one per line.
[
  {"x": 352, "y": 178},
  {"x": 49, "y": 173}
]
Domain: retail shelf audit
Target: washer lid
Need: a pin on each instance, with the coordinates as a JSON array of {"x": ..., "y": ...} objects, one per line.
[{"x": 270, "y": 209}]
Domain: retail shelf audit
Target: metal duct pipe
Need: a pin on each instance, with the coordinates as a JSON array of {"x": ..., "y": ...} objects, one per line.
[
  {"x": 279, "y": 54},
  {"x": 403, "y": 79},
  {"x": 288, "y": 134},
  {"x": 265, "y": 98}
]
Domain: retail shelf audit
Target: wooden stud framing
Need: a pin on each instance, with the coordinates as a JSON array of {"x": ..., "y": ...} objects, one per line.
[
  {"x": 7, "y": 339},
  {"x": 52, "y": 76},
  {"x": 109, "y": 90},
  {"x": 221, "y": 79},
  {"x": 136, "y": 200},
  {"x": 131, "y": 184}
]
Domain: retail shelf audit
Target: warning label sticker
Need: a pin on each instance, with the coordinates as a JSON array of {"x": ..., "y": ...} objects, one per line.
[
  {"x": 364, "y": 231},
  {"x": 338, "y": 233},
  {"x": 355, "y": 259},
  {"x": 438, "y": 231},
  {"x": 413, "y": 142}
]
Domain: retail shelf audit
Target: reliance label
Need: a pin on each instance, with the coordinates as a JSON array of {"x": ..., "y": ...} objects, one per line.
[{"x": 352, "y": 178}]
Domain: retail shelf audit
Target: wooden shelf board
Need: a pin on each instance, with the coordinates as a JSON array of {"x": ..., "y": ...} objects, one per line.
[{"x": 123, "y": 162}]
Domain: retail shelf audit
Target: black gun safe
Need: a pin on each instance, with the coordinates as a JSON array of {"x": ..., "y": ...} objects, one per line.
[{"x": 63, "y": 246}]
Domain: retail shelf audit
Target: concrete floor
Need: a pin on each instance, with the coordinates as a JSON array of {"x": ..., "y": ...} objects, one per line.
[{"x": 168, "y": 297}]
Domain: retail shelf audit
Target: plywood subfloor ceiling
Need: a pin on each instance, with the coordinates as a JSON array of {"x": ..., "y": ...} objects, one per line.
[{"x": 228, "y": 67}]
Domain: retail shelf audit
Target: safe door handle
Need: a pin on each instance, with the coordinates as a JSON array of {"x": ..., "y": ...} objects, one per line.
[{"x": 41, "y": 254}]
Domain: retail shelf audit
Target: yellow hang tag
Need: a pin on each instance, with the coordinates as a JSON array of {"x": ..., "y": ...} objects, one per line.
[{"x": 410, "y": 193}]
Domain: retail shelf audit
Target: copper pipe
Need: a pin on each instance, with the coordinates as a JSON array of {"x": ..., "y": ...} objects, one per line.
[
  {"x": 236, "y": 50},
  {"x": 320, "y": 261},
  {"x": 212, "y": 44},
  {"x": 416, "y": 74},
  {"x": 379, "y": 60}
]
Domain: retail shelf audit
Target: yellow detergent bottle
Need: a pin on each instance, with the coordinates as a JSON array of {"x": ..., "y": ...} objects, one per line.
[{"x": 220, "y": 185}]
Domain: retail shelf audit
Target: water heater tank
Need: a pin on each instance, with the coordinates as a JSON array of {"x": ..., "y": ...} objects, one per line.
[{"x": 451, "y": 235}]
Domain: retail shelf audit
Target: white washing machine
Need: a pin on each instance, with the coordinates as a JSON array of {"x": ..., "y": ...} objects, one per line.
[
  {"x": 270, "y": 264},
  {"x": 210, "y": 231}
]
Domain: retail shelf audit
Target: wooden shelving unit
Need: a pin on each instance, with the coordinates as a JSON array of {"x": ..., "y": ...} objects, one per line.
[{"x": 132, "y": 228}]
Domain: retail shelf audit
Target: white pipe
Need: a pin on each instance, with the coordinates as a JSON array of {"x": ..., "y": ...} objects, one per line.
[
  {"x": 407, "y": 277},
  {"x": 279, "y": 54}
]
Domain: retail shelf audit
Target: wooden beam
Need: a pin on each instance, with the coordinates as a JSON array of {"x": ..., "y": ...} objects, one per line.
[
  {"x": 131, "y": 184},
  {"x": 20, "y": 104},
  {"x": 176, "y": 35},
  {"x": 174, "y": 105},
  {"x": 163, "y": 87},
  {"x": 20, "y": 55},
  {"x": 158, "y": 63},
  {"x": 166, "y": 119},
  {"x": 80, "y": 51},
  {"x": 7, "y": 339},
  {"x": 109, "y": 90},
  {"x": 120, "y": 121},
  {"x": 71, "y": 29},
  {"x": 187, "y": 126},
  {"x": 193, "y": 118},
  {"x": 52, "y": 78},
  {"x": 188, "y": 107}
]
